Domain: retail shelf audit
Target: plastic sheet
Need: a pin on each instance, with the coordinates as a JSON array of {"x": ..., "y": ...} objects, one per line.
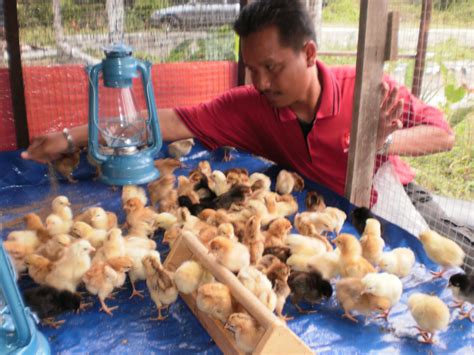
[{"x": 25, "y": 187}]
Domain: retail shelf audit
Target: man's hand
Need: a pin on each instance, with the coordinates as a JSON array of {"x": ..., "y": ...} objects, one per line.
[
  {"x": 391, "y": 109},
  {"x": 46, "y": 148}
]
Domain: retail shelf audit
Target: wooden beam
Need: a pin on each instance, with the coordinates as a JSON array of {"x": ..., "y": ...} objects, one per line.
[
  {"x": 391, "y": 46},
  {"x": 241, "y": 67},
  {"x": 425, "y": 19},
  {"x": 365, "y": 114},
  {"x": 12, "y": 34}
]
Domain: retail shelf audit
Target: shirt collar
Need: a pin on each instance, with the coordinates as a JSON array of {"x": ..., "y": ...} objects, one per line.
[{"x": 330, "y": 99}]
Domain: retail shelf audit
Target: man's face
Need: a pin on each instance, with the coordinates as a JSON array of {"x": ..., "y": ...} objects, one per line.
[{"x": 278, "y": 72}]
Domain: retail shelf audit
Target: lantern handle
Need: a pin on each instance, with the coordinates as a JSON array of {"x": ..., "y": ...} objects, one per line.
[
  {"x": 93, "y": 112},
  {"x": 145, "y": 69}
]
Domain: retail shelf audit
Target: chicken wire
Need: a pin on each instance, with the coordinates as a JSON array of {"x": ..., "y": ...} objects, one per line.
[
  {"x": 195, "y": 59},
  {"x": 193, "y": 56},
  {"x": 448, "y": 84}
]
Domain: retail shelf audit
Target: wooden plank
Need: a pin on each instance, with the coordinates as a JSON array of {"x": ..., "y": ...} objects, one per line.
[
  {"x": 425, "y": 19},
  {"x": 369, "y": 72},
  {"x": 391, "y": 45},
  {"x": 277, "y": 338},
  {"x": 12, "y": 34}
]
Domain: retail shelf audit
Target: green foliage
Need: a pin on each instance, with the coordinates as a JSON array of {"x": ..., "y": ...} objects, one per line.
[
  {"x": 451, "y": 173},
  {"x": 35, "y": 14},
  {"x": 138, "y": 16},
  {"x": 341, "y": 12}
]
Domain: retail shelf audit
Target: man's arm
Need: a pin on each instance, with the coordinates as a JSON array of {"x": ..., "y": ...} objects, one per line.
[
  {"x": 421, "y": 140},
  {"x": 50, "y": 146}
]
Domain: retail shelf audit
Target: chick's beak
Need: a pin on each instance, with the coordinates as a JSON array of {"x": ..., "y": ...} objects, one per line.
[{"x": 92, "y": 250}]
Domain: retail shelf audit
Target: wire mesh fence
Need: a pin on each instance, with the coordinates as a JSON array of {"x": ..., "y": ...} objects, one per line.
[{"x": 194, "y": 52}]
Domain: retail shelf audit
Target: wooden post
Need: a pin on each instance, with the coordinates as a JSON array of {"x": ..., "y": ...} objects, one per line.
[
  {"x": 425, "y": 20},
  {"x": 12, "y": 35},
  {"x": 365, "y": 114},
  {"x": 241, "y": 66}
]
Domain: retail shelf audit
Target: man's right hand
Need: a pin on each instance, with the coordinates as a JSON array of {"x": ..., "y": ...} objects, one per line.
[{"x": 46, "y": 148}]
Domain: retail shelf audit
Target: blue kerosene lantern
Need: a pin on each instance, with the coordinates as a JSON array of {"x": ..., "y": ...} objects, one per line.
[
  {"x": 18, "y": 334},
  {"x": 124, "y": 133}
]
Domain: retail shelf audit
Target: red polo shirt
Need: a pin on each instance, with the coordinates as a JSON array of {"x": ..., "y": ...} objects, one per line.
[{"x": 244, "y": 119}]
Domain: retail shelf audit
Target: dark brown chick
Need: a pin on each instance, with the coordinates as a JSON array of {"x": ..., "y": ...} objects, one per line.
[
  {"x": 282, "y": 253},
  {"x": 167, "y": 166},
  {"x": 67, "y": 164},
  {"x": 237, "y": 194},
  {"x": 308, "y": 286},
  {"x": 314, "y": 202}
]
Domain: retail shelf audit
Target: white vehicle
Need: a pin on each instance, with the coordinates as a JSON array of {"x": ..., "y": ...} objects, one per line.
[{"x": 197, "y": 13}]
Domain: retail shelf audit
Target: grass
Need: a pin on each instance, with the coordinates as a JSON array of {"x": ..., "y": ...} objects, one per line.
[{"x": 451, "y": 173}]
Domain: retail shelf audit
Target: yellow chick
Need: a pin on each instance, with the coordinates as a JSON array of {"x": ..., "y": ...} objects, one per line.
[
  {"x": 350, "y": 295},
  {"x": 352, "y": 264},
  {"x": 338, "y": 218},
  {"x": 246, "y": 331},
  {"x": 328, "y": 264},
  {"x": 257, "y": 283},
  {"x": 230, "y": 253},
  {"x": 399, "y": 261},
  {"x": 67, "y": 272},
  {"x": 384, "y": 285},
  {"x": 38, "y": 267},
  {"x": 430, "y": 313},
  {"x": 442, "y": 251},
  {"x": 160, "y": 283},
  {"x": 300, "y": 244},
  {"x": 170, "y": 202},
  {"x": 130, "y": 191},
  {"x": 103, "y": 277},
  {"x": 218, "y": 183},
  {"x": 56, "y": 225},
  {"x": 287, "y": 182},
  {"x": 215, "y": 299},
  {"x": 18, "y": 245},
  {"x": 54, "y": 248},
  {"x": 190, "y": 275},
  {"x": 61, "y": 207},
  {"x": 137, "y": 248},
  {"x": 84, "y": 231},
  {"x": 180, "y": 148},
  {"x": 372, "y": 242},
  {"x": 113, "y": 246}
]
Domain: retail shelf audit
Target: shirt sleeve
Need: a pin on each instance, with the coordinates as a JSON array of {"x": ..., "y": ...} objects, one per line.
[
  {"x": 416, "y": 112},
  {"x": 223, "y": 121}
]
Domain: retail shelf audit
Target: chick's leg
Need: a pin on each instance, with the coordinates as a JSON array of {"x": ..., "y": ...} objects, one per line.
[
  {"x": 302, "y": 311},
  {"x": 160, "y": 316},
  {"x": 52, "y": 323},
  {"x": 383, "y": 315},
  {"x": 105, "y": 308},
  {"x": 438, "y": 274},
  {"x": 349, "y": 316},
  {"x": 467, "y": 314},
  {"x": 135, "y": 292}
]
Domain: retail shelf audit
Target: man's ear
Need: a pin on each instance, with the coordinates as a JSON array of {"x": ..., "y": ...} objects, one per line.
[{"x": 310, "y": 50}]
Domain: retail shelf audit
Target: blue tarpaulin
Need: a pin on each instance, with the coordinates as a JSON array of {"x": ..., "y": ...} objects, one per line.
[{"x": 25, "y": 187}]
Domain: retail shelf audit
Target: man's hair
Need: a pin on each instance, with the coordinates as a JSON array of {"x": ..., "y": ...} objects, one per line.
[{"x": 290, "y": 17}]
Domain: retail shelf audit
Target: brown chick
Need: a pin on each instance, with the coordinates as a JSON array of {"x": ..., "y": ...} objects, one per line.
[
  {"x": 282, "y": 253},
  {"x": 136, "y": 212},
  {"x": 160, "y": 283},
  {"x": 442, "y": 251},
  {"x": 287, "y": 182},
  {"x": 169, "y": 203},
  {"x": 104, "y": 276},
  {"x": 34, "y": 223},
  {"x": 349, "y": 293},
  {"x": 237, "y": 176},
  {"x": 430, "y": 313},
  {"x": 67, "y": 164},
  {"x": 314, "y": 202},
  {"x": 205, "y": 168},
  {"x": 112, "y": 220},
  {"x": 167, "y": 166},
  {"x": 180, "y": 148},
  {"x": 276, "y": 232},
  {"x": 352, "y": 264},
  {"x": 254, "y": 239},
  {"x": 278, "y": 274},
  {"x": 372, "y": 242},
  {"x": 230, "y": 253},
  {"x": 246, "y": 331},
  {"x": 186, "y": 188},
  {"x": 215, "y": 300},
  {"x": 267, "y": 262},
  {"x": 171, "y": 234},
  {"x": 38, "y": 267},
  {"x": 160, "y": 188}
]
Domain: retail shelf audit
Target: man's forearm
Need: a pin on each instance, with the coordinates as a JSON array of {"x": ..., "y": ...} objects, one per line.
[{"x": 421, "y": 140}]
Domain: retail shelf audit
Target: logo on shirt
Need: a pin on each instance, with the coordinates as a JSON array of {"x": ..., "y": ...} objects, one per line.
[{"x": 346, "y": 141}]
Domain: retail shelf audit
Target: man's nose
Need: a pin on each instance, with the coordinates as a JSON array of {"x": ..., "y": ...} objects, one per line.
[{"x": 262, "y": 82}]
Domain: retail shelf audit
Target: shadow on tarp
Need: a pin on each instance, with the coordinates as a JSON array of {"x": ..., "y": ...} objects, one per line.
[{"x": 25, "y": 187}]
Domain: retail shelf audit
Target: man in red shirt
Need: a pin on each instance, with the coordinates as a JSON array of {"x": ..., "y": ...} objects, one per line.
[{"x": 298, "y": 111}]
